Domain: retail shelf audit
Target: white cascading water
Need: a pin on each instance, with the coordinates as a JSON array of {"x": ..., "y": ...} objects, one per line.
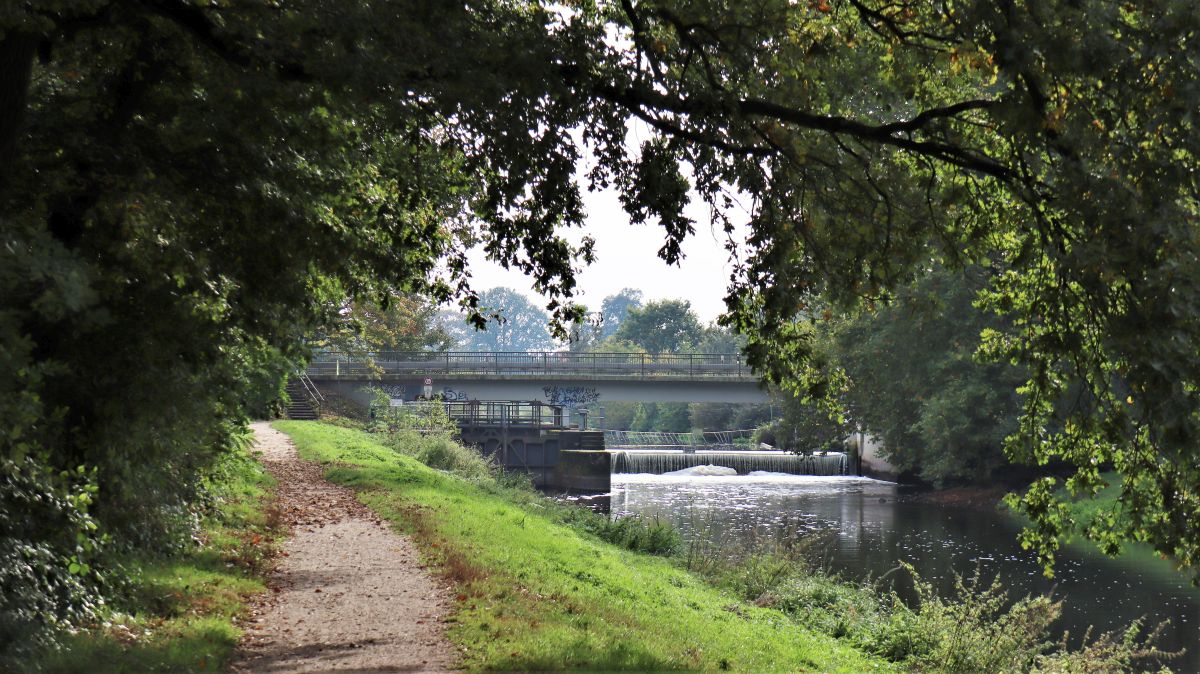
[{"x": 744, "y": 462}]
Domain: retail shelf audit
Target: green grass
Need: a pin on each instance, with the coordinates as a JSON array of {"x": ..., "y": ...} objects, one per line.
[
  {"x": 533, "y": 594},
  {"x": 179, "y": 610}
]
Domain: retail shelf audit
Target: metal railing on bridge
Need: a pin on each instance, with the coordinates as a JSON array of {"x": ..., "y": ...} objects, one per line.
[
  {"x": 483, "y": 413},
  {"x": 508, "y": 413},
  {"x": 661, "y": 439},
  {"x": 516, "y": 363}
]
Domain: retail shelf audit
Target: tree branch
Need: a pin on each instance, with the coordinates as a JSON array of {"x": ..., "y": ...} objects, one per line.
[
  {"x": 195, "y": 21},
  {"x": 894, "y": 134}
]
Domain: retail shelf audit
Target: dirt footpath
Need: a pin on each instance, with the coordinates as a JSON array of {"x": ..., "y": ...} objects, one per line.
[{"x": 348, "y": 594}]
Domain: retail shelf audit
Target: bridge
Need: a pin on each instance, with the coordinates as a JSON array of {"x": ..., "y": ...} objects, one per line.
[{"x": 564, "y": 378}]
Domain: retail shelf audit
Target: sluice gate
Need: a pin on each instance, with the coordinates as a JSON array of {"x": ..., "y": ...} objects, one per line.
[{"x": 744, "y": 462}]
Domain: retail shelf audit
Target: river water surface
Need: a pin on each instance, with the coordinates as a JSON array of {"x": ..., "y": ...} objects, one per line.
[{"x": 872, "y": 531}]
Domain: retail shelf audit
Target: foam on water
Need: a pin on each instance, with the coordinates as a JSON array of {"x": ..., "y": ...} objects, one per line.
[
  {"x": 761, "y": 478},
  {"x": 708, "y": 470}
]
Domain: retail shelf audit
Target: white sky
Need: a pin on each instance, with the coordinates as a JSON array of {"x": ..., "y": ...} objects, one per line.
[{"x": 627, "y": 257}]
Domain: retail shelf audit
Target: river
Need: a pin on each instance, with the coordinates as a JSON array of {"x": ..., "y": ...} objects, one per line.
[{"x": 872, "y": 530}]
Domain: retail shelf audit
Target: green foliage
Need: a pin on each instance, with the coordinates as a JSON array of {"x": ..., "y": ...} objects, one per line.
[
  {"x": 615, "y": 309},
  {"x": 719, "y": 339},
  {"x": 653, "y": 537},
  {"x": 916, "y": 385},
  {"x": 600, "y": 326},
  {"x": 805, "y": 427},
  {"x": 1109, "y": 653},
  {"x": 683, "y": 417},
  {"x": 398, "y": 322},
  {"x": 644, "y": 417},
  {"x": 640, "y": 534},
  {"x": 177, "y": 612},
  {"x": 665, "y": 326},
  {"x": 48, "y": 551},
  {"x": 619, "y": 415},
  {"x": 514, "y": 324},
  {"x": 978, "y": 629},
  {"x": 187, "y": 189},
  {"x": 672, "y": 418}
]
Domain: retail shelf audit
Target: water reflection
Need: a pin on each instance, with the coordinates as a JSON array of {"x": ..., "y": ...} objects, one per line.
[{"x": 873, "y": 531}]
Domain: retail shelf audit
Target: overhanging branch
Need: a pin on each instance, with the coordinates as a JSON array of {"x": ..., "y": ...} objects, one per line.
[{"x": 642, "y": 102}]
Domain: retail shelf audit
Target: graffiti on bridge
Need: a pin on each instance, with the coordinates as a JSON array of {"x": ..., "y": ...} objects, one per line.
[
  {"x": 450, "y": 395},
  {"x": 393, "y": 391},
  {"x": 570, "y": 396}
]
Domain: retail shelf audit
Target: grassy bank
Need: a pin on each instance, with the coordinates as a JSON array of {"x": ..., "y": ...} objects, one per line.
[
  {"x": 178, "y": 612},
  {"x": 535, "y": 594}
]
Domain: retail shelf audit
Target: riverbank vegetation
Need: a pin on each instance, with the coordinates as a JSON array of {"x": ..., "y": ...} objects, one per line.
[
  {"x": 544, "y": 585},
  {"x": 179, "y": 611},
  {"x": 189, "y": 190}
]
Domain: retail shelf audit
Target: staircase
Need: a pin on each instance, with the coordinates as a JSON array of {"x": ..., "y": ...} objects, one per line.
[{"x": 301, "y": 403}]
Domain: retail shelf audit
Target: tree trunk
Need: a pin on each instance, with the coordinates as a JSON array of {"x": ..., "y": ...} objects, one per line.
[{"x": 17, "y": 51}]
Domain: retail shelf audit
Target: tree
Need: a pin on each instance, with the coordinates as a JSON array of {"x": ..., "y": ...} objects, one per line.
[
  {"x": 183, "y": 186},
  {"x": 672, "y": 418},
  {"x": 599, "y": 326},
  {"x": 615, "y": 308},
  {"x": 666, "y": 326},
  {"x": 619, "y": 414},
  {"x": 805, "y": 427},
  {"x": 515, "y": 324},
  {"x": 398, "y": 323},
  {"x": 720, "y": 339},
  {"x": 711, "y": 416},
  {"x": 729, "y": 416},
  {"x": 644, "y": 415},
  {"x": 915, "y": 382}
]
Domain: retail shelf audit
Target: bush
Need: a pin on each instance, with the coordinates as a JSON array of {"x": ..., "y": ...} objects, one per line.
[
  {"x": 977, "y": 630},
  {"x": 444, "y": 453},
  {"x": 48, "y": 547},
  {"x": 1111, "y": 653},
  {"x": 641, "y": 534}
]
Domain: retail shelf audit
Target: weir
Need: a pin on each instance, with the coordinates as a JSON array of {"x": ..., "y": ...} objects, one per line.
[{"x": 744, "y": 462}]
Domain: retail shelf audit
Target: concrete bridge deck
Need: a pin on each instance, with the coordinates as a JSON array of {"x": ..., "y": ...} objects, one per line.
[
  {"x": 532, "y": 365},
  {"x": 555, "y": 377}
]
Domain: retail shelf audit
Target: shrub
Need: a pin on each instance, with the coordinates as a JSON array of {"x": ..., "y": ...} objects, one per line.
[
  {"x": 1110, "y": 653},
  {"x": 48, "y": 547},
  {"x": 444, "y": 453},
  {"x": 641, "y": 534},
  {"x": 976, "y": 630}
]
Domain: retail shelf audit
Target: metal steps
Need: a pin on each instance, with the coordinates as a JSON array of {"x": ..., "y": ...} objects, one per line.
[{"x": 299, "y": 404}]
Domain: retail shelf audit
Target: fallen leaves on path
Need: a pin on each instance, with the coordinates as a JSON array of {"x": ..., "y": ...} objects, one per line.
[{"x": 349, "y": 593}]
